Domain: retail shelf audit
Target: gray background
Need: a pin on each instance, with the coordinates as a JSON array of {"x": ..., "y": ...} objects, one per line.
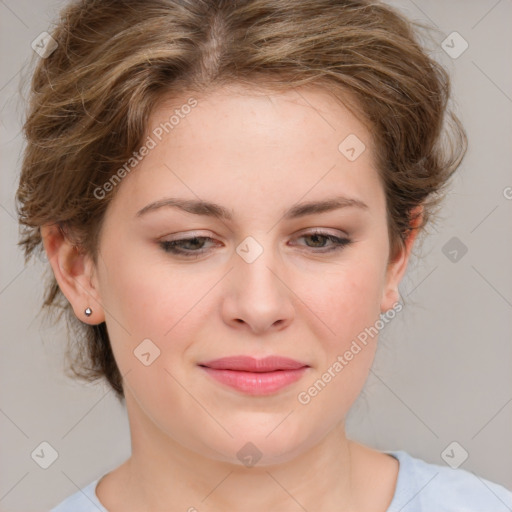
[{"x": 443, "y": 367}]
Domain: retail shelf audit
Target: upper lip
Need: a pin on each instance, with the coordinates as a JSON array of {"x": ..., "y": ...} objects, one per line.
[{"x": 251, "y": 364}]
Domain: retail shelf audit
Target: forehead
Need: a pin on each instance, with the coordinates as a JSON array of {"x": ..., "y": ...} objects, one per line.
[
  {"x": 298, "y": 118},
  {"x": 237, "y": 145}
]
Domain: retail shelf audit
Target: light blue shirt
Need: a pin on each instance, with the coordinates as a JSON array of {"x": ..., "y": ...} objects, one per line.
[{"x": 420, "y": 487}]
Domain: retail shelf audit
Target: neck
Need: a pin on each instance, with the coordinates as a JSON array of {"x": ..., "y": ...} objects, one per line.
[{"x": 162, "y": 474}]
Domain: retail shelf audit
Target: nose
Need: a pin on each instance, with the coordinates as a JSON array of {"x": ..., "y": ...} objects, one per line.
[{"x": 257, "y": 296}]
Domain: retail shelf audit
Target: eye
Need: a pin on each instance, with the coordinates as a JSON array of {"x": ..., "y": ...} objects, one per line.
[
  {"x": 319, "y": 237},
  {"x": 194, "y": 247},
  {"x": 194, "y": 243}
]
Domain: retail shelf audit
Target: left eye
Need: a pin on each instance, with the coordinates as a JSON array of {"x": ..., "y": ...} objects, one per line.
[
  {"x": 196, "y": 244},
  {"x": 337, "y": 243}
]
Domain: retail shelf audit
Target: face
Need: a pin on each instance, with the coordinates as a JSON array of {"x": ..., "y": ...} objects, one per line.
[{"x": 179, "y": 288}]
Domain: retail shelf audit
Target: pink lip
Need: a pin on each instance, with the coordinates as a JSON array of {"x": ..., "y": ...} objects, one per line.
[{"x": 255, "y": 376}]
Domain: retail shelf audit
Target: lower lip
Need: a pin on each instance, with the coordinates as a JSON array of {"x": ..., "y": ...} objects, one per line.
[{"x": 256, "y": 383}]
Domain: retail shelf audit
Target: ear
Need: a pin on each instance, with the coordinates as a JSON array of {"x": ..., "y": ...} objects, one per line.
[
  {"x": 397, "y": 267},
  {"x": 75, "y": 273}
]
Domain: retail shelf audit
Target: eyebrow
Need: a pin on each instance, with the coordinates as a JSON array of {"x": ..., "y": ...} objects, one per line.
[{"x": 207, "y": 208}]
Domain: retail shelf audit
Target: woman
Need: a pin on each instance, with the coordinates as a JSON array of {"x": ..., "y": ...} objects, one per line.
[{"x": 228, "y": 194}]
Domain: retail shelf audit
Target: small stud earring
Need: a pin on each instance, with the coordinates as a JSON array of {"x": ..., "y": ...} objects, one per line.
[{"x": 88, "y": 312}]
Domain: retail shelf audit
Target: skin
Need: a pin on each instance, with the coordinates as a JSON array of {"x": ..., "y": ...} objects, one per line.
[{"x": 257, "y": 155}]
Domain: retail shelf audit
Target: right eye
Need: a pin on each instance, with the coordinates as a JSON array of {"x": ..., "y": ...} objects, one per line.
[{"x": 193, "y": 243}]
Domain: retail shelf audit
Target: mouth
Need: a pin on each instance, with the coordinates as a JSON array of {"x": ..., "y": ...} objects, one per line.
[{"x": 255, "y": 376}]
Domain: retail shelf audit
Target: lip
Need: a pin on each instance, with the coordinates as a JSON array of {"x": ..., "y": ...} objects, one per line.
[
  {"x": 252, "y": 364},
  {"x": 255, "y": 376}
]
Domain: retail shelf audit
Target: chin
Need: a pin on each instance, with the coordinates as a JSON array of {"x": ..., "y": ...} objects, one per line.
[{"x": 252, "y": 446}]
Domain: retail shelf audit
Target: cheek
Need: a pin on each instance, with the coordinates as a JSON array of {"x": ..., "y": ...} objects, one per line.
[
  {"x": 349, "y": 309},
  {"x": 346, "y": 299},
  {"x": 144, "y": 291},
  {"x": 346, "y": 303},
  {"x": 145, "y": 300}
]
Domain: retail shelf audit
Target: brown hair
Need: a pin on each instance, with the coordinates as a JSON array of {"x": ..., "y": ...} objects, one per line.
[{"x": 116, "y": 60}]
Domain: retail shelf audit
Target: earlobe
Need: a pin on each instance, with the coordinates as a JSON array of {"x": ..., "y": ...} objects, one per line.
[
  {"x": 396, "y": 268},
  {"x": 75, "y": 273}
]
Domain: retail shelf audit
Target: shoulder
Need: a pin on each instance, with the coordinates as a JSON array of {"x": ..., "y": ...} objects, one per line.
[
  {"x": 84, "y": 500},
  {"x": 422, "y": 486}
]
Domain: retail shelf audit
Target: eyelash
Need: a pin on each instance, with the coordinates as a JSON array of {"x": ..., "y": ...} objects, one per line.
[{"x": 170, "y": 246}]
